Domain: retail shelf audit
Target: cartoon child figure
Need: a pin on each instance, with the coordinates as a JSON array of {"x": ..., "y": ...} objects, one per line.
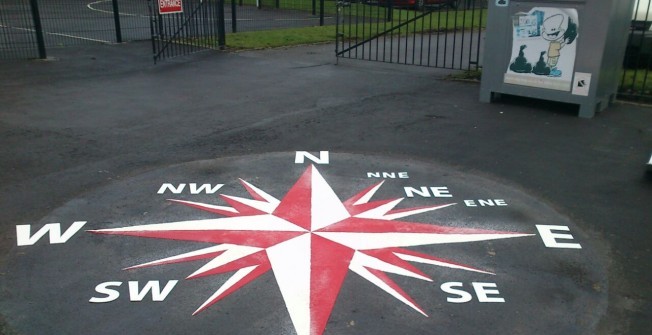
[{"x": 558, "y": 36}]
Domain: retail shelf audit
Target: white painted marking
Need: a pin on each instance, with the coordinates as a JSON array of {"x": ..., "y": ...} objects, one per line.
[
  {"x": 366, "y": 274},
  {"x": 300, "y": 157},
  {"x": 259, "y": 205},
  {"x": 327, "y": 208},
  {"x": 362, "y": 260},
  {"x": 411, "y": 258},
  {"x": 483, "y": 290},
  {"x": 58, "y": 34},
  {"x": 170, "y": 187},
  {"x": 406, "y": 213},
  {"x": 462, "y": 296},
  {"x": 365, "y": 198},
  {"x": 369, "y": 241},
  {"x": 90, "y": 6},
  {"x": 234, "y": 252},
  {"x": 380, "y": 211},
  {"x": 135, "y": 294},
  {"x": 264, "y": 222},
  {"x": 193, "y": 188},
  {"x": 52, "y": 229},
  {"x": 221, "y": 247},
  {"x": 436, "y": 191},
  {"x": 291, "y": 266},
  {"x": 262, "y": 194},
  {"x": 110, "y": 294},
  {"x": 227, "y": 285},
  {"x": 222, "y": 208},
  {"x": 550, "y": 239}
]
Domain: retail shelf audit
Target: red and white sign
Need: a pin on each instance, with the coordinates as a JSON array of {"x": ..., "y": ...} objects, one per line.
[{"x": 170, "y": 6}]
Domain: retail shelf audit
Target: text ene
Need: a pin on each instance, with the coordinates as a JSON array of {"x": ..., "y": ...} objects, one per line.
[
  {"x": 108, "y": 292},
  {"x": 485, "y": 203}
]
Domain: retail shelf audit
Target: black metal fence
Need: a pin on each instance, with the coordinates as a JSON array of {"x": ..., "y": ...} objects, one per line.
[
  {"x": 17, "y": 31},
  {"x": 636, "y": 82},
  {"x": 29, "y": 27},
  {"x": 197, "y": 25},
  {"x": 440, "y": 33},
  {"x": 433, "y": 33},
  {"x": 256, "y": 15}
]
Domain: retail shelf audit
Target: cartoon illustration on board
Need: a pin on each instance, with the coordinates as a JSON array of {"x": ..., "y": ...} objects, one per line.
[
  {"x": 559, "y": 37},
  {"x": 549, "y": 35},
  {"x": 520, "y": 64}
]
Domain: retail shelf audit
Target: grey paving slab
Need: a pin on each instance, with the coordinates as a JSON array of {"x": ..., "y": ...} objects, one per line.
[{"x": 93, "y": 133}]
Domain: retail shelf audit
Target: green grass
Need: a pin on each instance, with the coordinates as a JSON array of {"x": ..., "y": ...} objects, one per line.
[
  {"x": 636, "y": 81},
  {"x": 280, "y": 37},
  {"x": 439, "y": 21}
]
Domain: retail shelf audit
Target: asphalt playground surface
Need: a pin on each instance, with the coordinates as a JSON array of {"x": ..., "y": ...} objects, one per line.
[{"x": 94, "y": 133}]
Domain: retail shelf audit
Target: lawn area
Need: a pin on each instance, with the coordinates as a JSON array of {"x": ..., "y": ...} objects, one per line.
[
  {"x": 637, "y": 81},
  {"x": 438, "y": 21}
]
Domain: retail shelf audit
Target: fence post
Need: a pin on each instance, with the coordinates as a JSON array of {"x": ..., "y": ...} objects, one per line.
[
  {"x": 221, "y": 25},
  {"x": 116, "y": 19},
  {"x": 234, "y": 20},
  {"x": 36, "y": 16},
  {"x": 314, "y": 7},
  {"x": 321, "y": 12}
]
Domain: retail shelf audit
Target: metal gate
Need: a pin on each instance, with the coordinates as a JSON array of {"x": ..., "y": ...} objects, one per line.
[
  {"x": 434, "y": 33},
  {"x": 192, "y": 26}
]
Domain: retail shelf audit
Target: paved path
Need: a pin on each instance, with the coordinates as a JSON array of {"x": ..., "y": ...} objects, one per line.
[{"x": 92, "y": 136}]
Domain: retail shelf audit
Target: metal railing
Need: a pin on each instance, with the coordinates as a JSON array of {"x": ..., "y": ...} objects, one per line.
[
  {"x": 432, "y": 33},
  {"x": 636, "y": 82},
  {"x": 29, "y": 27}
]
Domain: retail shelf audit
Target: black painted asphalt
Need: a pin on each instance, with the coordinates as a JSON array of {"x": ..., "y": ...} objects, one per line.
[{"x": 94, "y": 116}]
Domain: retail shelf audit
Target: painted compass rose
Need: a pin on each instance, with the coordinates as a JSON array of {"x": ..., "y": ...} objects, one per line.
[
  {"x": 310, "y": 240},
  {"x": 318, "y": 248}
]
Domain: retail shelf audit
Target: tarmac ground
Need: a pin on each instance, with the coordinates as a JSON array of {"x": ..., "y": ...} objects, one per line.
[{"x": 517, "y": 217}]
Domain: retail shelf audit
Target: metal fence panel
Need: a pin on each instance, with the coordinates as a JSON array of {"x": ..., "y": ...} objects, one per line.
[
  {"x": 636, "y": 82},
  {"x": 199, "y": 26},
  {"x": 17, "y": 32},
  {"x": 433, "y": 33},
  {"x": 257, "y": 15},
  {"x": 74, "y": 22},
  {"x": 68, "y": 22}
]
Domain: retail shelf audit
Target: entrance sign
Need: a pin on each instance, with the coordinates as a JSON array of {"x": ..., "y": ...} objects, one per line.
[{"x": 170, "y": 6}]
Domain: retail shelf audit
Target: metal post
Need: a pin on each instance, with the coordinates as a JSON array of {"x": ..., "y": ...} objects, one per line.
[
  {"x": 116, "y": 19},
  {"x": 314, "y": 7},
  {"x": 234, "y": 20},
  {"x": 278, "y": 3},
  {"x": 321, "y": 12},
  {"x": 221, "y": 27},
  {"x": 36, "y": 16},
  {"x": 338, "y": 9}
]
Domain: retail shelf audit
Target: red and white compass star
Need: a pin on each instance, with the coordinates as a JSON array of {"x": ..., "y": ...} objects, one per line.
[{"x": 310, "y": 240}]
